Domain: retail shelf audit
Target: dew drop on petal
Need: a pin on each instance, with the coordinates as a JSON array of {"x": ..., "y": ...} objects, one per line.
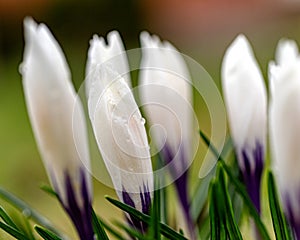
[
  {"x": 143, "y": 121},
  {"x": 22, "y": 68}
]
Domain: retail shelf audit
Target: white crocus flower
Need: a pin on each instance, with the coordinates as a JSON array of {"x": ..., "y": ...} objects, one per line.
[
  {"x": 120, "y": 131},
  {"x": 284, "y": 77},
  {"x": 57, "y": 120},
  {"x": 246, "y": 103},
  {"x": 166, "y": 96}
]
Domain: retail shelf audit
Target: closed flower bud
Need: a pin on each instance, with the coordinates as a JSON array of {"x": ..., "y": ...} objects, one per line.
[
  {"x": 166, "y": 95},
  {"x": 57, "y": 119},
  {"x": 284, "y": 77},
  {"x": 246, "y": 103},
  {"x": 120, "y": 133}
]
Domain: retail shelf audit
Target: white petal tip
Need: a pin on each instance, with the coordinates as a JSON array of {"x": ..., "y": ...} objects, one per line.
[
  {"x": 30, "y": 26},
  {"x": 239, "y": 46},
  {"x": 29, "y": 22},
  {"x": 287, "y": 51},
  {"x": 148, "y": 40},
  {"x": 237, "y": 53},
  {"x": 113, "y": 37}
]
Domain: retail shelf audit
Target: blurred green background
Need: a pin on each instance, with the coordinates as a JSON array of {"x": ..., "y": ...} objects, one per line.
[{"x": 201, "y": 29}]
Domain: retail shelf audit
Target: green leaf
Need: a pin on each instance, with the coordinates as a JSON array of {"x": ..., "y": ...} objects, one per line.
[
  {"x": 201, "y": 192},
  {"x": 217, "y": 230},
  {"x": 49, "y": 190},
  {"x": 46, "y": 234},
  {"x": 26, "y": 228},
  {"x": 280, "y": 226},
  {"x": 154, "y": 228},
  {"x": 25, "y": 208},
  {"x": 164, "y": 229},
  {"x": 244, "y": 194},
  {"x": 204, "y": 229},
  {"x": 231, "y": 226},
  {"x": 132, "y": 232},
  {"x": 98, "y": 228},
  {"x": 13, "y": 232},
  {"x": 6, "y": 218},
  {"x": 110, "y": 229},
  {"x": 200, "y": 195},
  {"x": 239, "y": 187}
]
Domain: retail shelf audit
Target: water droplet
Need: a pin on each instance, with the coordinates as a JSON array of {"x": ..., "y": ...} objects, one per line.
[
  {"x": 26, "y": 213},
  {"x": 143, "y": 121},
  {"x": 22, "y": 68},
  {"x": 128, "y": 139}
]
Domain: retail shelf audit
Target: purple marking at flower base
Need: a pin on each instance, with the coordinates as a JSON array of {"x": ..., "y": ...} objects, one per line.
[
  {"x": 146, "y": 204},
  {"x": 180, "y": 168},
  {"x": 80, "y": 215},
  {"x": 292, "y": 217},
  {"x": 252, "y": 177}
]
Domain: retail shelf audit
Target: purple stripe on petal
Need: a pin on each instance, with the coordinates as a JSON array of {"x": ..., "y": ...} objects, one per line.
[
  {"x": 127, "y": 199},
  {"x": 178, "y": 169},
  {"x": 146, "y": 199},
  {"x": 291, "y": 215},
  {"x": 179, "y": 172},
  {"x": 81, "y": 216},
  {"x": 146, "y": 204},
  {"x": 252, "y": 176}
]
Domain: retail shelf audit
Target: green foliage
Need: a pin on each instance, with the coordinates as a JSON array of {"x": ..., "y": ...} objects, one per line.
[
  {"x": 223, "y": 224},
  {"x": 222, "y": 190},
  {"x": 46, "y": 234},
  {"x": 13, "y": 232},
  {"x": 240, "y": 188},
  {"x": 154, "y": 228},
  {"x": 25, "y": 208},
  {"x": 164, "y": 229},
  {"x": 98, "y": 227},
  {"x": 280, "y": 226}
]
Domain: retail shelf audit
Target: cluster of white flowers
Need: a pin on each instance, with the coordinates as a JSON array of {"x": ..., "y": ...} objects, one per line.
[
  {"x": 246, "y": 101},
  {"x": 58, "y": 121}
]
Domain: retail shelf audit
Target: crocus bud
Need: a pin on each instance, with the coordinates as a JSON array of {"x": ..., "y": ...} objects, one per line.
[
  {"x": 57, "y": 119},
  {"x": 120, "y": 134},
  {"x": 166, "y": 93},
  {"x": 246, "y": 103},
  {"x": 284, "y": 112}
]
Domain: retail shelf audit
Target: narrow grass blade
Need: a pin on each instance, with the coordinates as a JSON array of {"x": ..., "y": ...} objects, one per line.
[
  {"x": 200, "y": 195},
  {"x": 46, "y": 234},
  {"x": 154, "y": 229},
  {"x": 132, "y": 232},
  {"x": 280, "y": 226},
  {"x": 49, "y": 190},
  {"x": 165, "y": 229},
  {"x": 239, "y": 187},
  {"x": 13, "y": 232},
  {"x": 6, "y": 218},
  {"x": 25, "y": 208},
  {"x": 216, "y": 231},
  {"x": 231, "y": 226},
  {"x": 201, "y": 192},
  {"x": 111, "y": 230},
  {"x": 98, "y": 228}
]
